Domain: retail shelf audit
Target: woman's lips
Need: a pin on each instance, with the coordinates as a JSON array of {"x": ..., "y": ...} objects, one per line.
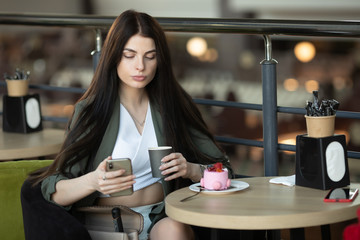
[{"x": 139, "y": 78}]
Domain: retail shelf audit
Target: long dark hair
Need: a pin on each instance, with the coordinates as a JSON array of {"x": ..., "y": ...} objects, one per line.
[{"x": 177, "y": 109}]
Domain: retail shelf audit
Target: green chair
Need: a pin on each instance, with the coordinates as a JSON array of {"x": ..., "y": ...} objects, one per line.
[{"x": 12, "y": 176}]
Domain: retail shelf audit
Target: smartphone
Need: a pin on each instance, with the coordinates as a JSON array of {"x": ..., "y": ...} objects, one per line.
[
  {"x": 117, "y": 164},
  {"x": 341, "y": 195}
]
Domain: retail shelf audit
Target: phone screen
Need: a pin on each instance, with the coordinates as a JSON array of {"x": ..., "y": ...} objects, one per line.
[{"x": 341, "y": 195}]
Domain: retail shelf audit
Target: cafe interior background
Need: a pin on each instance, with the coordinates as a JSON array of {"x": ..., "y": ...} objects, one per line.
[{"x": 212, "y": 66}]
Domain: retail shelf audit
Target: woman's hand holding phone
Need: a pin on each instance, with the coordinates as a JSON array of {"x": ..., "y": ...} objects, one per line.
[{"x": 116, "y": 177}]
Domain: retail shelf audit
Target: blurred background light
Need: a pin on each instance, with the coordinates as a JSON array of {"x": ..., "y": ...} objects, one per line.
[
  {"x": 339, "y": 83},
  {"x": 305, "y": 51},
  {"x": 291, "y": 84},
  {"x": 210, "y": 55},
  {"x": 311, "y": 85},
  {"x": 247, "y": 59},
  {"x": 196, "y": 46}
]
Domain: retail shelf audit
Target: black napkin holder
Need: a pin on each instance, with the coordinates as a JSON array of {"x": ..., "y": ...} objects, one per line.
[
  {"x": 22, "y": 114},
  {"x": 321, "y": 162}
]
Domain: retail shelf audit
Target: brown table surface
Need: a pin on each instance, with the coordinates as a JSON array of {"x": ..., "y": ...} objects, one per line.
[
  {"x": 29, "y": 145},
  {"x": 262, "y": 205}
]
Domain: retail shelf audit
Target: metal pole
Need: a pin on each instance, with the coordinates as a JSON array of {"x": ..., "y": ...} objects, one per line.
[
  {"x": 270, "y": 133},
  {"x": 97, "y": 51}
]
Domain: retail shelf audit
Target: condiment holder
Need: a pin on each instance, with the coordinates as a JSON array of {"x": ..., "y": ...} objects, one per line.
[
  {"x": 21, "y": 110},
  {"x": 321, "y": 155},
  {"x": 18, "y": 84}
]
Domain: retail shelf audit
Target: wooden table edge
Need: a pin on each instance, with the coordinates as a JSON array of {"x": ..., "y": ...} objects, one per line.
[
  {"x": 264, "y": 222},
  {"x": 34, "y": 151}
]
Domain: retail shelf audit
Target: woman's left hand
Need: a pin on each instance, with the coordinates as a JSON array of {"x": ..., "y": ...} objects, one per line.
[{"x": 175, "y": 166}]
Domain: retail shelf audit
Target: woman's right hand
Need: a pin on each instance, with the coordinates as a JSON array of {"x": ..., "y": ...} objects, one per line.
[
  {"x": 111, "y": 182},
  {"x": 72, "y": 190}
]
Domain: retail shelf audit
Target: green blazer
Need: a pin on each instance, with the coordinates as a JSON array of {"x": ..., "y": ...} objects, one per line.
[{"x": 106, "y": 147}]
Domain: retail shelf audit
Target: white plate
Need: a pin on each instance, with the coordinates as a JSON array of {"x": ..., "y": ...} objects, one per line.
[{"x": 234, "y": 187}]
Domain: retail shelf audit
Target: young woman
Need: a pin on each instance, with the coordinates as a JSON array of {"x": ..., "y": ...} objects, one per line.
[{"x": 134, "y": 102}]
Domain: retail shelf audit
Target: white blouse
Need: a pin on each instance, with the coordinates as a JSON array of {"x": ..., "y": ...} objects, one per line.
[{"x": 131, "y": 144}]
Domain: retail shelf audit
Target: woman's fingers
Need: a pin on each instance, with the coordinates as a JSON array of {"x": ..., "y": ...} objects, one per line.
[
  {"x": 116, "y": 184},
  {"x": 175, "y": 166}
]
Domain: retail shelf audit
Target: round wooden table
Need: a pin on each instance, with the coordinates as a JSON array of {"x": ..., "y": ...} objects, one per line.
[
  {"x": 30, "y": 145},
  {"x": 262, "y": 205}
]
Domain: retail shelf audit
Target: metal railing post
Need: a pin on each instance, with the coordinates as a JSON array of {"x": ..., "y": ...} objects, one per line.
[
  {"x": 97, "y": 51},
  {"x": 270, "y": 133}
]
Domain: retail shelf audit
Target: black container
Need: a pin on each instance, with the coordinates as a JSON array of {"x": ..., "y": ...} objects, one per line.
[
  {"x": 321, "y": 162},
  {"x": 22, "y": 114}
]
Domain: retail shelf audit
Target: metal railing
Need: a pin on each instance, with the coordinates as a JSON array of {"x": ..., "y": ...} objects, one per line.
[{"x": 265, "y": 28}]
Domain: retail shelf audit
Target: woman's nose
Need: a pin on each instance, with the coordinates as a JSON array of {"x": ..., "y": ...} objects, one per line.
[{"x": 140, "y": 64}]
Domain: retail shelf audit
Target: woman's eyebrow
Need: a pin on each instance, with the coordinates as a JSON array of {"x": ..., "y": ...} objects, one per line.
[
  {"x": 151, "y": 51},
  {"x": 132, "y": 50}
]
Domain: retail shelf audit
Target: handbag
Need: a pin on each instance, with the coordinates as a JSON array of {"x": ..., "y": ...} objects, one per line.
[{"x": 99, "y": 222}]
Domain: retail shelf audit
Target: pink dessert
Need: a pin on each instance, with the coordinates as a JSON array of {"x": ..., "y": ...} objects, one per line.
[{"x": 215, "y": 178}]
